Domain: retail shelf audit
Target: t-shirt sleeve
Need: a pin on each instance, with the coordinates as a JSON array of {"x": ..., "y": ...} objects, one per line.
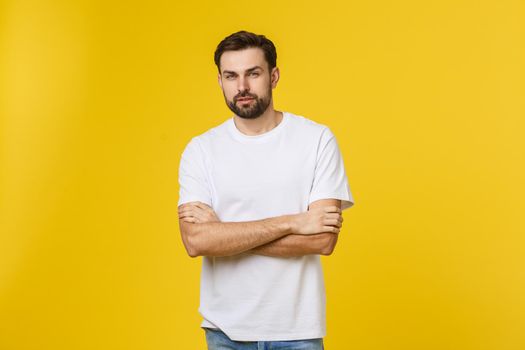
[
  {"x": 193, "y": 182},
  {"x": 330, "y": 180}
]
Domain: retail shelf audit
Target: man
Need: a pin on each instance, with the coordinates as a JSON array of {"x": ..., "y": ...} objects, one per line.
[{"x": 261, "y": 197}]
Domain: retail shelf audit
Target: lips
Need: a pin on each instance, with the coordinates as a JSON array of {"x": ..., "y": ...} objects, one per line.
[{"x": 245, "y": 99}]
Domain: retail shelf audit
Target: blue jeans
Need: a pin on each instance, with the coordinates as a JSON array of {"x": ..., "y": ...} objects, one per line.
[{"x": 217, "y": 340}]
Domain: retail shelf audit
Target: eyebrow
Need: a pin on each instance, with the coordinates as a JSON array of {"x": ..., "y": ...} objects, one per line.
[{"x": 248, "y": 70}]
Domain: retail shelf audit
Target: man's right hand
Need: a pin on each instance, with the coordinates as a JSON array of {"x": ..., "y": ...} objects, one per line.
[{"x": 317, "y": 220}]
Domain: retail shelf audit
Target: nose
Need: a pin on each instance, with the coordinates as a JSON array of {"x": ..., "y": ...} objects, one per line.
[{"x": 242, "y": 84}]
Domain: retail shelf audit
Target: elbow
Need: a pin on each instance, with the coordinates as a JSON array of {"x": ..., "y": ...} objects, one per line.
[
  {"x": 195, "y": 246},
  {"x": 192, "y": 248},
  {"x": 328, "y": 245},
  {"x": 189, "y": 240},
  {"x": 328, "y": 250},
  {"x": 192, "y": 252}
]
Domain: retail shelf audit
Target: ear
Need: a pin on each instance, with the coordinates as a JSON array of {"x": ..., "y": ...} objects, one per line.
[
  {"x": 275, "y": 76},
  {"x": 219, "y": 79}
]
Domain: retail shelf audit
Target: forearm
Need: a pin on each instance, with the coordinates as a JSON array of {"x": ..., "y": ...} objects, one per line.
[
  {"x": 231, "y": 238},
  {"x": 298, "y": 245},
  {"x": 203, "y": 233}
]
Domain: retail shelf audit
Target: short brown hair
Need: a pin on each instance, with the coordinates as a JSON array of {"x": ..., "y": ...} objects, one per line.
[{"x": 243, "y": 40}]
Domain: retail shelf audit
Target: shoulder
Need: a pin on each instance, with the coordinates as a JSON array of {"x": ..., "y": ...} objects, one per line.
[
  {"x": 309, "y": 127},
  {"x": 201, "y": 141},
  {"x": 213, "y": 134}
]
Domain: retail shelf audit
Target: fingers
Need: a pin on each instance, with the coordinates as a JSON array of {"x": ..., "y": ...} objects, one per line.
[
  {"x": 200, "y": 216},
  {"x": 189, "y": 211},
  {"x": 335, "y": 219},
  {"x": 332, "y": 209},
  {"x": 325, "y": 219},
  {"x": 189, "y": 205},
  {"x": 333, "y": 222},
  {"x": 196, "y": 205},
  {"x": 335, "y": 216},
  {"x": 192, "y": 206},
  {"x": 186, "y": 212},
  {"x": 331, "y": 229},
  {"x": 201, "y": 212}
]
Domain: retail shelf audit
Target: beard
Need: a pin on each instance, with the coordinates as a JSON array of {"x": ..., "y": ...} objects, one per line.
[{"x": 254, "y": 109}]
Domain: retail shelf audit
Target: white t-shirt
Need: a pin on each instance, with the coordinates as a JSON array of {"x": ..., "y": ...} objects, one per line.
[{"x": 243, "y": 178}]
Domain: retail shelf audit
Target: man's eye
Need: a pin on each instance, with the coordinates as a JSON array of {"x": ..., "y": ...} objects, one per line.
[
  {"x": 255, "y": 74},
  {"x": 229, "y": 76}
]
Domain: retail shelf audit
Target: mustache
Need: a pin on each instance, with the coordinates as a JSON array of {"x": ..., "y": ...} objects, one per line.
[{"x": 244, "y": 94}]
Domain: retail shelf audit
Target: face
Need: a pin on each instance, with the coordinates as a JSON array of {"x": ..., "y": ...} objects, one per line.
[{"x": 246, "y": 82}]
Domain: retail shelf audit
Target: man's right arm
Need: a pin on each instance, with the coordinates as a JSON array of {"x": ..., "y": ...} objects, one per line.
[{"x": 230, "y": 238}]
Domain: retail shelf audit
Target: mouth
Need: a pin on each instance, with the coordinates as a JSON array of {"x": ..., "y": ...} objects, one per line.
[{"x": 244, "y": 99}]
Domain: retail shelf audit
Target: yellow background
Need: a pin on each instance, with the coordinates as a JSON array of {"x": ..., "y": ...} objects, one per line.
[{"x": 426, "y": 99}]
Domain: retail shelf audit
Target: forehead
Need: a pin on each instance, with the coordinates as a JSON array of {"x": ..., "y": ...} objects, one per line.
[{"x": 240, "y": 60}]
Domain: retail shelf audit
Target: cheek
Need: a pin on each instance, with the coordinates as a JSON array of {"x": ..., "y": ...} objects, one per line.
[
  {"x": 229, "y": 91},
  {"x": 263, "y": 86}
]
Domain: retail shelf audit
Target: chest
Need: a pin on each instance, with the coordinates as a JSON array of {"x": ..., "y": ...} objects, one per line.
[{"x": 261, "y": 180}]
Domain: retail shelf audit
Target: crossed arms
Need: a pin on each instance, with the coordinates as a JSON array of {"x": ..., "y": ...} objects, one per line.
[{"x": 312, "y": 232}]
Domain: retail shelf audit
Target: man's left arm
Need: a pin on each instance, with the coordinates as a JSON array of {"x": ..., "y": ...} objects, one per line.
[
  {"x": 288, "y": 246},
  {"x": 329, "y": 187},
  {"x": 298, "y": 245}
]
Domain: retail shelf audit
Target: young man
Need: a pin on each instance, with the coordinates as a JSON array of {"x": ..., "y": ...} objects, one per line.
[{"x": 261, "y": 197}]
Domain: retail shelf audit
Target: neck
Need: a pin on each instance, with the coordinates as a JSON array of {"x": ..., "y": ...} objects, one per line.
[{"x": 260, "y": 125}]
